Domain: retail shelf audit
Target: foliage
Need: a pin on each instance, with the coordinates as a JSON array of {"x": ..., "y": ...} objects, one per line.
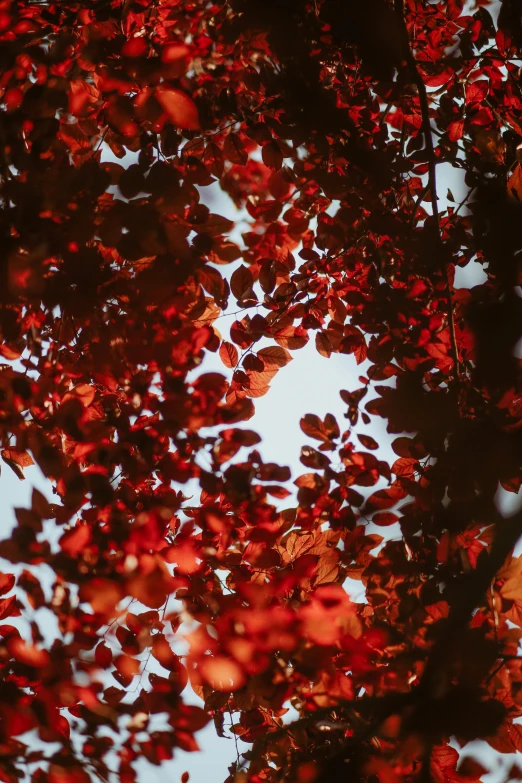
[{"x": 327, "y": 122}]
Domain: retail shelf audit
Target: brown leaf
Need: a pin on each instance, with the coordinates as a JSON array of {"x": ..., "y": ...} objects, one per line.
[
  {"x": 491, "y": 144},
  {"x": 323, "y": 344},
  {"x": 241, "y": 283},
  {"x": 314, "y": 427},
  {"x": 514, "y": 183},
  {"x": 368, "y": 442}
]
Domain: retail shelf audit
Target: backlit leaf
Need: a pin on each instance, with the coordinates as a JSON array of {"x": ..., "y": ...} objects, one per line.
[
  {"x": 229, "y": 354},
  {"x": 181, "y": 109}
]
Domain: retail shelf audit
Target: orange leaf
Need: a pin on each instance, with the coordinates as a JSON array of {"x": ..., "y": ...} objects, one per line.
[
  {"x": 103, "y": 595},
  {"x": 274, "y": 357},
  {"x": 292, "y": 337},
  {"x": 28, "y": 654},
  {"x": 17, "y": 461},
  {"x": 22, "y": 458},
  {"x": 229, "y": 354},
  {"x": 313, "y": 427},
  {"x": 222, "y": 674}
]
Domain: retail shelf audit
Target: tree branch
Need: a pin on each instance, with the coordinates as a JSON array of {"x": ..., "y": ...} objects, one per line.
[
  {"x": 411, "y": 65},
  {"x": 508, "y": 532}
]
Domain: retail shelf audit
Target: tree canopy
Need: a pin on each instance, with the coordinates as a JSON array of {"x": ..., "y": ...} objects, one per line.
[{"x": 332, "y": 125}]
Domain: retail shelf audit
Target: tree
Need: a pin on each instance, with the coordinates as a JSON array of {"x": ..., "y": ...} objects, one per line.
[{"x": 328, "y": 121}]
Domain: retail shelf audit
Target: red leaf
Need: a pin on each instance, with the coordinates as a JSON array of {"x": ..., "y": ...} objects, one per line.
[
  {"x": 162, "y": 651},
  {"x": 476, "y": 91},
  {"x": 6, "y": 583},
  {"x": 279, "y": 186},
  {"x": 213, "y": 160},
  {"x": 384, "y": 498},
  {"x": 272, "y": 156},
  {"x": 84, "y": 392},
  {"x": 384, "y": 518},
  {"x": 68, "y": 774},
  {"x": 73, "y": 542},
  {"x": 234, "y": 150},
  {"x": 103, "y": 595},
  {"x": 181, "y": 109},
  {"x": 8, "y": 607},
  {"x": 103, "y": 655},
  {"x": 75, "y": 139},
  {"x": 456, "y": 130},
  {"x": 173, "y": 52},
  {"x": 28, "y": 654},
  {"x": 405, "y": 466}
]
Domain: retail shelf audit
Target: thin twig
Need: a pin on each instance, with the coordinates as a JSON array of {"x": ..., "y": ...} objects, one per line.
[
  {"x": 235, "y": 736},
  {"x": 498, "y": 667},
  {"x": 466, "y": 197},
  {"x": 144, "y": 670},
  {"x": 420, "y": 197}
]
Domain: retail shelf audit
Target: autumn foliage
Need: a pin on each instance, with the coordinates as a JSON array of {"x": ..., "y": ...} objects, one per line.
[{"x": 334, "y": 126}]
